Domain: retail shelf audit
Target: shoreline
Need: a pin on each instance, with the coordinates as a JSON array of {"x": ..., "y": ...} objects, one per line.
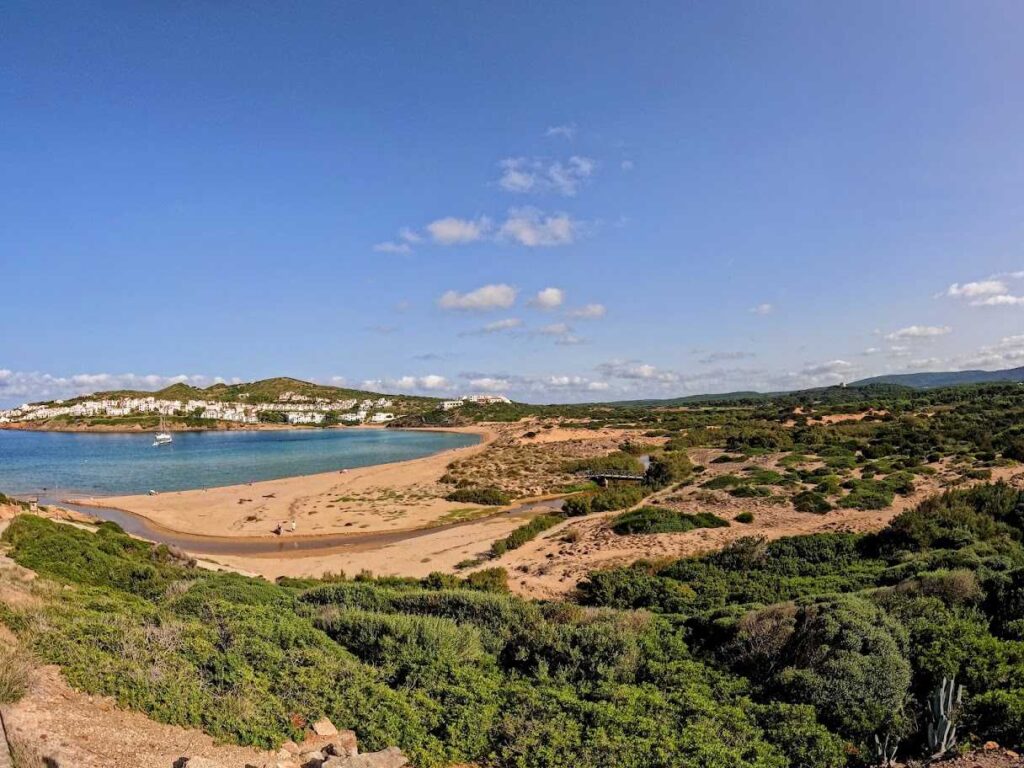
[{"x": 225, "y": 513}]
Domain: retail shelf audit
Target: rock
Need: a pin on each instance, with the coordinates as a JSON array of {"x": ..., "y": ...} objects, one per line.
[
  {"x": 990, "y": 745},
  {"x": 290, "y": 747},
  {"x": 391, "y": 757},
  {"x": 343, "y": 744},
  {"x": 313, "y": 759},
  {"x": 324, "y": 727}
]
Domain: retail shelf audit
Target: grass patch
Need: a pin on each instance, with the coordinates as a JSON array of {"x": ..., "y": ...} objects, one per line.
[{"x": 16, "y": 670}]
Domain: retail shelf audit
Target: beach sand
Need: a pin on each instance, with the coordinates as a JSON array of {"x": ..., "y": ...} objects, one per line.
[{"x": 385, "y": 497}]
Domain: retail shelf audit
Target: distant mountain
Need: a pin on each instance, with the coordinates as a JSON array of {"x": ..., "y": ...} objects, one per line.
[{"x": 933, "y": 379}]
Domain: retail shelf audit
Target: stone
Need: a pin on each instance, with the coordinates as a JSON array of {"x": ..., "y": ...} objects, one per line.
[
  {"x": 391, "y": 757},
  {"x": 990, "y": 745},
  {"x": 344, "y": 744},
  {"x": 290, "y": 747},
  {"x": 313, "y": 759},
  {"x": 324, "y": 727}
]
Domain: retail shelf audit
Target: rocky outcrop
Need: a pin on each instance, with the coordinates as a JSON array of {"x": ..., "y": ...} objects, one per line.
[{"x": 325, "y": 747}]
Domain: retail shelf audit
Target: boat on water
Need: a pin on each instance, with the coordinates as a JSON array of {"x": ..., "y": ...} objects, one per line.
[{"x": 163, "y": 437}]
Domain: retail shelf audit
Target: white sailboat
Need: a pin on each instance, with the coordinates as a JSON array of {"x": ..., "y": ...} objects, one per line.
[{"x": 163, "y": 437}]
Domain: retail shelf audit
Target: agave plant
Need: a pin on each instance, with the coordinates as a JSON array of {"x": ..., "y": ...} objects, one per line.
[
  {"x": 884, "y": 751},
  {"x": 943, "y": 709}
]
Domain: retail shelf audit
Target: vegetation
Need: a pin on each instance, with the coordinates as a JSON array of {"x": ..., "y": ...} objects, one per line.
[
  {"x": 16, "y": 669},
  {"x": 794, "y": 652},
  {"x": 603, "y": 500},
  {"x": 525, "y": 533},
  {"x": 663, "y": 520},
  {"x": 489, "y": 496}
]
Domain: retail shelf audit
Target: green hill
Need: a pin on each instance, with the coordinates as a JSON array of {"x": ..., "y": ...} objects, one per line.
[
  {"x": 932, "y": 379},
  {"x": 267, "y": 391}
]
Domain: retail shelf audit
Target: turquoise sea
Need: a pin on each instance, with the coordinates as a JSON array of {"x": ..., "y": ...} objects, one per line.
[{"x": 56, "y": 464}]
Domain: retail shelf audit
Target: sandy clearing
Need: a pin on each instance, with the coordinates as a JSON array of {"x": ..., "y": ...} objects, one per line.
[{"x": 384, "y": 497}]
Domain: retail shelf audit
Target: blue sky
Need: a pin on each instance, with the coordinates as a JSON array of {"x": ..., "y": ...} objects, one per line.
[{"x": 559, "y": 201}]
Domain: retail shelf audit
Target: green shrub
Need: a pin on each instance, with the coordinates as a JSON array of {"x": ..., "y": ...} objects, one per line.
[
  {"x": 668, "y": 467},
  {"x": 744, "y": 517},
  {"x": 663, "y": 520},
  {"x": 525, "y": 533},
  {"x": 620, "y": 461},
  {"x": 811, "y": 501},
  {"x": 489, "y": 496},
  {"x": 604, "y": 500}
]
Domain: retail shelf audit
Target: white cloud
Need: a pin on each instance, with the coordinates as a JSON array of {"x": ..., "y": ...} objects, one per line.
[
  {"x": 589, "y": 312},
  {"x": 556, "y": 329},
  {"x": 762, "y": 309},
  {"x": 923, "y": 363},
  {"x": 530, "y": 227},
  {"x": 390, "y": 246},
  {"x": 975, "y": 289},
  {"x": 1002, "y": 300},
  {"x": 548, "y": 298},
  {"x": 566, "y": 131},
  {"x": 569, "y": 339},
  {"x": 626, "y": 165},
  {"x": 870, "y": 351},
  {"x": 33, "y": 385},
  {"x": 1008, "y": 352},
  {"x": 429, "y": 383},
  {"x": 499, "y": 296},
  {"x": 830, "y": 368},
  {"x": 454, "y": 231},
  {"x": 717, "y": 357},
  {"x": 489, "y": 384},
  {"x": 502, "y": 325},
  {"x": 991, "y": 292},
  {"x": 919, "y": 332},
  {"x": 635, "y": 370},
  {"x": 403, "y": 244}
]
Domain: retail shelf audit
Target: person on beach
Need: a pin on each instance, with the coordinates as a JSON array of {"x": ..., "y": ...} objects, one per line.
[
  {"x": 293, "y": 526},
  {"x": 278, "y": 529}
]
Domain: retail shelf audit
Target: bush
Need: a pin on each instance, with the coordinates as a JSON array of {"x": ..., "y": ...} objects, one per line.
[
  {"x": 604, "y": 500},
  {"x": 744, "y": 517},
  {"x": 663, "y": 520},
  {"x": 490, "y": 496},
  {"x": 842, "y": 655},
  {"x": 668, "y": 467},
  {"x": 620, "y": 461},
  {"x": 811, "y": 501},
  {"x": 525, "y": 533}
]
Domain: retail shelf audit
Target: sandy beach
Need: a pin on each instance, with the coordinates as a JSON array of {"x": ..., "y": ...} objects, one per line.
[{"x": 385, "y": 497}]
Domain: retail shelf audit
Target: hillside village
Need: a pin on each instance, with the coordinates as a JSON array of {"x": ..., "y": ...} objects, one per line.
[{"x": 290, "y": 407}]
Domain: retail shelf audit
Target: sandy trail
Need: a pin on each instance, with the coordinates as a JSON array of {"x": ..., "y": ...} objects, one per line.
[{"x": 385, "y": 497}]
